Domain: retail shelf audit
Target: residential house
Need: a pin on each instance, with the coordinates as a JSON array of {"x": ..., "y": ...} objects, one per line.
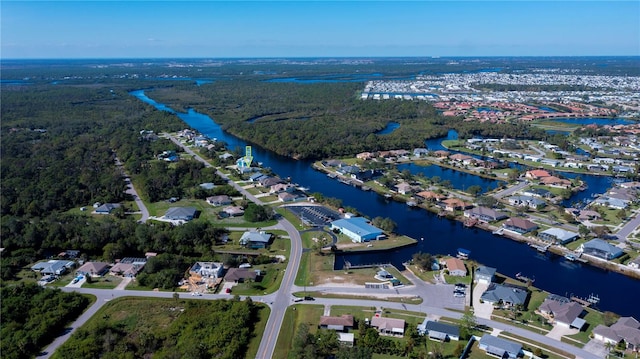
[
  {"x": 181, "y": 213},
  {"x": 94, "y": 269},
  {"x": 418, "y": 152},
  {"x": 526, "y": 201},
  {"x": 601, "y": 249},
  {"x": 69, "y": 253},
  {"x": 357, "y": 228},
  {"x": 456, "y": 267},
  {"x": 431, "y": 196},
  {"x": 256, "y": 177},
  {"x": 233, "y": 211},
  {"x": 498, "y": 347},
  {"x": 240, "y": 275},
  {"x": 404, "y": 188},
  {"x": 611, "y": 202},
  {"x": 341, "y": 323},
  {"x": 335, "y": 163},
  {"x": 128, "y": 267},
  {"x": 254, "y": 240},
  {"x": 439, "y": 331},
  {"x": 537, "y": 174},
  {"x": 564, "y": 312},
  {"x": 347, "y": 170},
  {"x": 484, "y": 214},
  {"x": 453, "y": 204},
  {"x": 219, "y": 200},
  {"x": 388, "y": 326},
  {"x": 519, "y": 225},
  {"x": 207, "y": 269},
  {"x": 441, "y": 153},
  {"x": 289, "y": 197},
  {"x": 53, "y": 267},
  {"x": 365, "y": 156},
  {"x": 267, "y": 182},
  {"x": 107, "y": 208},
  {"x": 207, "y": 185},
  {"x": 507, "y": 296},
  {"x": 537, "y": 192},
  {"x": 626, "y": 329},
  {"x": 485, "y": 274},
  {"x": 367, "y": 175},
  {"x": 281, "y": 187},
  {"x": 558, "y": 235}
]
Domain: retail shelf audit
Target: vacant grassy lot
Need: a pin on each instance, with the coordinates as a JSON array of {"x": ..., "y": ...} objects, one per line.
[{"x": 293, "y": 317}]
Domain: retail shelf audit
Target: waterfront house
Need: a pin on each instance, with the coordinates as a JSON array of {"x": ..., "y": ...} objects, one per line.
[
  {"x": 289, "y": 197},
  {"x": 420, "y": 152},
  {"x": 519, "y": 225},
  {"x": 537, "y": 192},
  {"x": 498, "y": 347},
  {"x": 357, "y": 228},
  {"x": 219, "y": 200},
  {"x": 367, "y": 175},
  {"x": 206, "y": 269},
  {"x": 282, "y": 187},
  {"x": 562, "y": 312},
  {"x": 107, "y": 208},
  {"x": 267, "y": 182},
  {"x": 431, "y": 196},
  {"x": 536, "y": 174},
  {"x": 625, "y": 330},
  {"x": 181, "y": 213},
  {"x": 504, "y": 295},
  {"x": 456, "y": 267},
  {"x": 388, "y": 326},
  {"x": 404, "y": 188},
  {"x": 341, "y": 323},
  {"x": 601, "y": 249},
  {"x": 485, "y": 274},
  {"x": 558, "y": 235},
  {"x": 94, "y": 269},
  {"x": 256, "y": 177},
  {"x": 453, "y": 204},
  {"x": 254, "y": 240},
  {"x": 484, "y": 214},
  {"x": 611, "y": 202},
  {"x": 439, "y": 331}
]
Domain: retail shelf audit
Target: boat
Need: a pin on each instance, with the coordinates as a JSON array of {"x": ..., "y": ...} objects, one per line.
[
  {"x": 470, "y": 222},
  {"x": 365, "y": 188},
  {"x": 498, "y": 231},
  {"x": 412, "y": 203},
  {"x": 463, "y": 253},
  {"x": 388, "y": 195},
  {"x": 332, "y": 175},
  {"x": 570, "y": 257}
]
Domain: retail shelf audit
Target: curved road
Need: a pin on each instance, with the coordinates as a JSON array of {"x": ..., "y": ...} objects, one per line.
[{"x": 280, "y": 300}]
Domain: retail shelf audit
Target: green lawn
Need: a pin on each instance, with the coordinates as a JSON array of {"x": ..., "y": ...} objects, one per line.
[
  {"x": 269, "y": 283},
  {"x": 593, "y": 318},
  {"x": 293, "y": 317},
  {"x": 314, "y": 268},
  {"x": 528, "y": 344},
  {"x": 105, "y": 282}
]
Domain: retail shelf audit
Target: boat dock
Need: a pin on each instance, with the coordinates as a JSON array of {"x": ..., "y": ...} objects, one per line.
[
  {"x": 348, "y": 265},
  {"x": 540, "y": 248},
  {"x": 591, "y": 300},
  {"x": 524, "y": 279},
  {"x": 471, "y": 222}
]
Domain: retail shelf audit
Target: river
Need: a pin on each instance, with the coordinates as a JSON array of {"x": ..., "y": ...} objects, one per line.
[{"x": 438, "y": 235}]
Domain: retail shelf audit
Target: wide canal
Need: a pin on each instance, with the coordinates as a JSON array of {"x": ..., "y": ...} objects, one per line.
[{"x": 441, "y": 236}]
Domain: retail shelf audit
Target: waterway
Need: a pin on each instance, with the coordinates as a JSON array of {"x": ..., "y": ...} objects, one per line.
[
  {"x": 438, "y": 235},
  {"x": 583, "y": 121},
  {"x": 389, "y": 128}
]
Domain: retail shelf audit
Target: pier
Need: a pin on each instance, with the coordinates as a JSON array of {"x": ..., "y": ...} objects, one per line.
[
  {"x": 348, "y": 265},
  {"x": 540, "y": 248}
]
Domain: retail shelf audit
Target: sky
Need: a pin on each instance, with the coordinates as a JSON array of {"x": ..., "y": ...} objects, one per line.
[{"x": 31, "y": 29}]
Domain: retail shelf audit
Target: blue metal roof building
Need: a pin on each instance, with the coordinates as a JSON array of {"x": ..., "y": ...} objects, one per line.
[{"x": 357, "y": 228}]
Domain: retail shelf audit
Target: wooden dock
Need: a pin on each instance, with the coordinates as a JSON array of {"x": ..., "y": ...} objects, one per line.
[{"x": 348, "y": 265}]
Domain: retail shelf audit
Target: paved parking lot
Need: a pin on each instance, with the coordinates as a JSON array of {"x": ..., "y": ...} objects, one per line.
[
  {"x": 441, "y": 295},
  {"x": 317, "y": 216}
]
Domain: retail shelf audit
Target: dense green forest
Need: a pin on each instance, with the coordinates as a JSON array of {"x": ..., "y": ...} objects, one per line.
[
  {"x": 33, "y": 316},
  {"x": 139, "y": 327}
]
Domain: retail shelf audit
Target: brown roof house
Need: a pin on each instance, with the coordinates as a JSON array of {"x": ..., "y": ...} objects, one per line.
[
  {"x": 240, "y": 275},
  {"x": 341, "y": 323},
  {"x": 388, "y": 326},
  {"x": 456, "y": 267},
  {"x": 519, "y": 225},
  {"x": 94, "y": 269}
]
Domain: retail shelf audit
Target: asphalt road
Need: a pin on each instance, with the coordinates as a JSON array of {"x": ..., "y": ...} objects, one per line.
[
  {"x": 433, "y": 294},
  {"x": 629, "y": 227},
  {"x": 132, "y": 191}
]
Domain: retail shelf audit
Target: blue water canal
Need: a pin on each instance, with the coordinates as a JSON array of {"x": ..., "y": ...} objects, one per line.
[{"x": 440, "y": 236}]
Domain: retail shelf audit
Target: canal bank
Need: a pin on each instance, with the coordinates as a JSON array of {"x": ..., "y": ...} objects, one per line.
[{"x": 553, "y": 273}]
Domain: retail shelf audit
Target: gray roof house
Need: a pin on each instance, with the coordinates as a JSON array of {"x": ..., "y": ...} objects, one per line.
[
  {"x": 180, "y": 213},
  {"x": 219, "y": 200},
  {"x": 439, "y": 331},
  {"x": 601, "y": 249},
  {"x": 526, "y": 201},
  {"x": 484, "y": 214},
  {"x": 94, "y": 269},
  {"x": 485, "y": 274},
  {"x": 499, "y": 347},
  {"x": 519, "y": 225},
  {"x": 53, "y": 267},
  {"x": 563, "y": 313},
  {"x": 558, "y": 235},
  {"x": 254, "y": 240},
  {"x": 107, "y": 208},
  {"x": 507, "y": 295},
  {"x": 341, "y": 323},
  {"x": 626, "y": 329}
]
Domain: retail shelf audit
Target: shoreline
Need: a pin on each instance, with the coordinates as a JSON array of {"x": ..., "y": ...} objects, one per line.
[{"x": 593, "y": 261}]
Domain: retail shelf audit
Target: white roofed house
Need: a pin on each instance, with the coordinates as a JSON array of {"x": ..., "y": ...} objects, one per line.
[
  {"x": 388, "y": 326},
  {"x": 404, "y": 188},
  {"x": 207, "y": 269},
  {"x": 558, "y": 235}
]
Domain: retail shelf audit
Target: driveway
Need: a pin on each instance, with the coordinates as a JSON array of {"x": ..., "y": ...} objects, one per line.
[
  {"x": 559, "y": 331},
  {"x": 596, "y": 347},
  {"x": 481, "y": 310}
]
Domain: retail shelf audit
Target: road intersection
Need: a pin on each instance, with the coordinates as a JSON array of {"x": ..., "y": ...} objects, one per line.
[{"x": 432, "y": 294}]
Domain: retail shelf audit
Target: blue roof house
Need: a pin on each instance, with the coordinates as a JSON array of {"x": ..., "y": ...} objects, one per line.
[
  {"x": 357, "y": 228},
  {"x": 485, "y": 274},
  {"x": 601, "y": 249},
  {"x": 499, "y": 347},
  {"x": 255, "y": 240}
]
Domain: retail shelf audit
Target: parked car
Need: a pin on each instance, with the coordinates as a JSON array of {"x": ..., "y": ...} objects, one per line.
[{"x": 228, "y": 290}]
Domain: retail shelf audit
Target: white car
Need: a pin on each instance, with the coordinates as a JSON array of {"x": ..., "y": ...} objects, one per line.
[{"x": 196, "y": 294}]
